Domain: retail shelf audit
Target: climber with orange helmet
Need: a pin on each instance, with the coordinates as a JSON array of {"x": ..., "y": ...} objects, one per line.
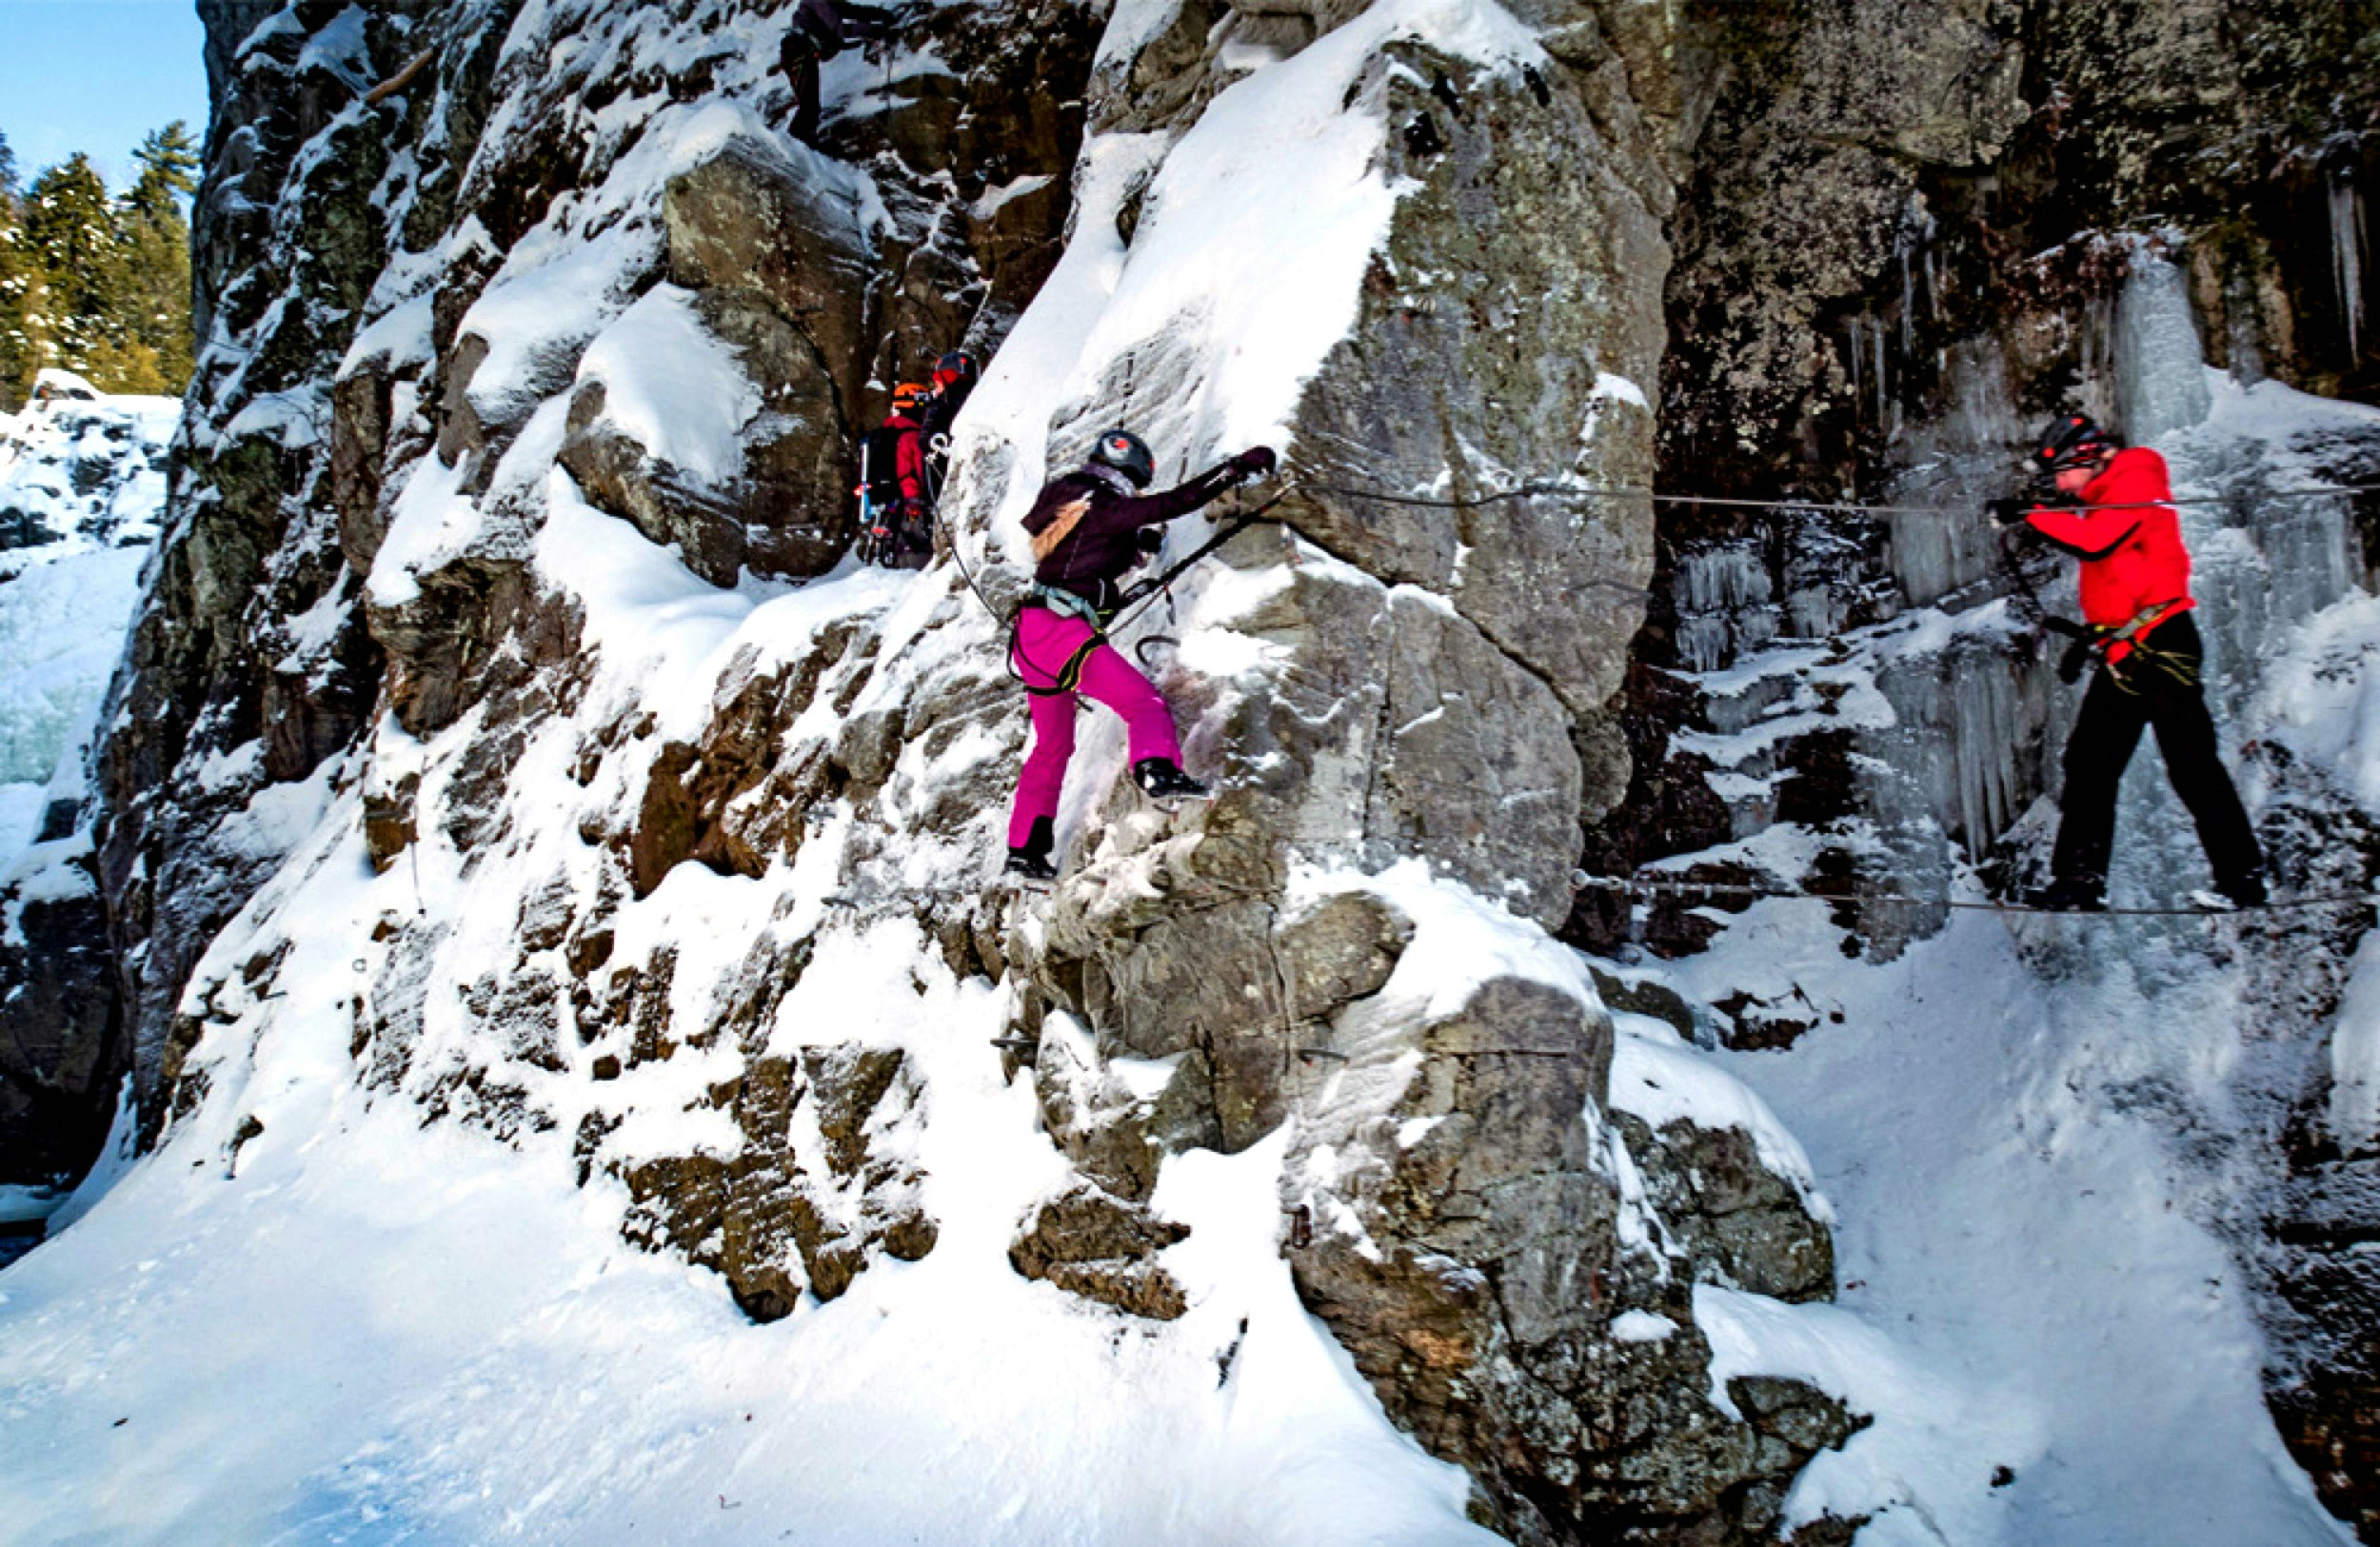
[
  {"x": 2113, "y": 509},
  {"x": 1088, "y": 527}
]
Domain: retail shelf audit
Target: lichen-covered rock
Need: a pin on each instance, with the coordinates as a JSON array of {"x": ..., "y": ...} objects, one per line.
[
  {"x": 1733, "y": 1219},
  {"x": 1102, "y": 1248},
  {"x": 815, "y": 1193},
  {"x": 1441, "y": 359},
  {"x": 788, "y": 230}
]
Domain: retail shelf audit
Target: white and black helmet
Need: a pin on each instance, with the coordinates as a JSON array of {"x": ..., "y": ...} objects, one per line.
[{"x": 1128, "y": 454}]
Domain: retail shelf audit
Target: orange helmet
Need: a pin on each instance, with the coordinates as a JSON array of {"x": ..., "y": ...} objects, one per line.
[{"x": 906, "y": 396}]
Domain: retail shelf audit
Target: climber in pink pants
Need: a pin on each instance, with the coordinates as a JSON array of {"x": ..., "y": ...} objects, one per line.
[
  {"x": 1088, "y": 528},
  {"x": 1105, "y": 677}
]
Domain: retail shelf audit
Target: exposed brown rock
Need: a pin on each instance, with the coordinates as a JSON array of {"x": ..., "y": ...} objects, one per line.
[{"x": 1098, "y": 1246}]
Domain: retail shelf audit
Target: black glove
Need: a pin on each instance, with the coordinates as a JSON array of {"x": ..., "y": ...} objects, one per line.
[
  {"x": 2008, "y": 512},
  {"x": 2075, "y": 662},
  {"x": 1255, "y": 462}
]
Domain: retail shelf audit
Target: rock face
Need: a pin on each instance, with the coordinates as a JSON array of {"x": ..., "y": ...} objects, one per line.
[
  {"x": 58, "y": 1051},
  {"x": 463, "y": 328}
]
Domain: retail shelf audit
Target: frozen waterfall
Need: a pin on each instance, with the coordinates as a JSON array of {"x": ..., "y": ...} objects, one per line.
[{"x": 2159, "y": 365}]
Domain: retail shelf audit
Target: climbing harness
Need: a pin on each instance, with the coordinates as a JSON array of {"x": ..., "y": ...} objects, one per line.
[
  {"x": 1068, "y": 677},
  {"x": 1640, "y": 884},
  {"x": 2134, "y": 636}
]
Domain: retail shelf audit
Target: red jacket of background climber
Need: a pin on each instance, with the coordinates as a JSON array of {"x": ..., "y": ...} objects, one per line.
[
  {"x": 909, "y": 460},
  {"x": 2129, "y": 540}
]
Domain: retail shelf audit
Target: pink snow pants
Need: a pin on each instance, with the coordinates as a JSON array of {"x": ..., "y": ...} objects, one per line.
[{"x": 1046, "y": 642}]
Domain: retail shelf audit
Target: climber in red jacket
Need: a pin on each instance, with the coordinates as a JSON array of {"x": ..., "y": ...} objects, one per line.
[
  {"x": 896, "y": 506},
  {"x": 1088, "y": 528},
  {"x": 2136, "y": 602}
]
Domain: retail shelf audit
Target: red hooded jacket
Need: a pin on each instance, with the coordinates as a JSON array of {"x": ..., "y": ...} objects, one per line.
[
  {"x": 909, "y": 459},
  {"x": 2129, "y": 540}
]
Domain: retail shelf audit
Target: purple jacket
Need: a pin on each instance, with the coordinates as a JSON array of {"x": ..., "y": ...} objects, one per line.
[
  {"x": 827, "y": 27},
  {"x": 1084, "y": 526}
]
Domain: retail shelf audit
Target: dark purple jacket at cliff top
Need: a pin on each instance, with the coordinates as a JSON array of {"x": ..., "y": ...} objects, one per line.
[
  {"x": 828, "y": 26},
  {"x": 1099, "y": 545}
]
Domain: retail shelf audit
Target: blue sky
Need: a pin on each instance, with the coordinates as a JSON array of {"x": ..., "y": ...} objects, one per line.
[{"x": 97, "y": 75}]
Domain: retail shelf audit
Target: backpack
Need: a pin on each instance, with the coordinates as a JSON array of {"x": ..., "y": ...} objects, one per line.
[
  {"x": 886, "y": 537},
  {"x": 879, "y": 472}
]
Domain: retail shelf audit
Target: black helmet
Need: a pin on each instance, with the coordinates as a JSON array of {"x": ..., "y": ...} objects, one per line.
[
  {"x": 958, "y": 366},
  {"x": 2069, "y": 440},
  {"x": 1128, "y": 454}
]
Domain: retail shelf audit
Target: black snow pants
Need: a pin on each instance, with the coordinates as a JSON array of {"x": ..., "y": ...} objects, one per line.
[
  {"x": 2115, "y": 710},
  {"x": 800, "y": 67}
]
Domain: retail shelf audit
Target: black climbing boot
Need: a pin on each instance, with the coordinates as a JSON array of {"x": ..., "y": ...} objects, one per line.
[
  {"x": 2070, "y": 894},
  {"x": 1164, "y": 781},
  {"x": 2245, "y": 890},
  {"x": 1025, "y": 865},
  {"x": 1031, "y": 862}
]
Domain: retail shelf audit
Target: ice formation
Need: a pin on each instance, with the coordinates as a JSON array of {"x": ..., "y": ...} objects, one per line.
[{"x": 82, "y": 491}]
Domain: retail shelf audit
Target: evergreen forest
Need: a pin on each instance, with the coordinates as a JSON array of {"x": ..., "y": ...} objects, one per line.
[{"x": 94, "y": 281}]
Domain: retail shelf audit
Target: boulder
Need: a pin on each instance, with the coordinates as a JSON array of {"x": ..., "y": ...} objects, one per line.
[
  {"x": 787, "y": 227},
  {"x": 1093, "y": 1244}
]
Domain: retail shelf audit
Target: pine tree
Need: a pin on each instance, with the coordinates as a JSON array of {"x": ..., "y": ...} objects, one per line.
[
  {"x": 16, "y": 284},
  {"x": 18, "y": 360},
  {"x": 70, "y": 237},
  {"x": 156, "y": 242},
  {"x": 168, "y": 161}
]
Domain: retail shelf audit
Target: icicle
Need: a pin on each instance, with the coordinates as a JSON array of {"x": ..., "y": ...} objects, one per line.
[
  {"x": 1702, "y": 641},
  {"x": 1723, "y": 606},
  {"x": 1909, "y": 300},
  {"x": 1880, "y": 377},
  {"x": 1915, "y": 235},
  {"x": 1720, "y": 579},
  {"x": 2346, "y": 258},
  {"x": 1858, "y": 388}
]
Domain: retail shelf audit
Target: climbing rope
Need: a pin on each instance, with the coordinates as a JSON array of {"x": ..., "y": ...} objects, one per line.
[
  {"x": 2027, "y": 598},
  {"x": 1590, "y": 491},
  {"x": 1582, "y": 881}
]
